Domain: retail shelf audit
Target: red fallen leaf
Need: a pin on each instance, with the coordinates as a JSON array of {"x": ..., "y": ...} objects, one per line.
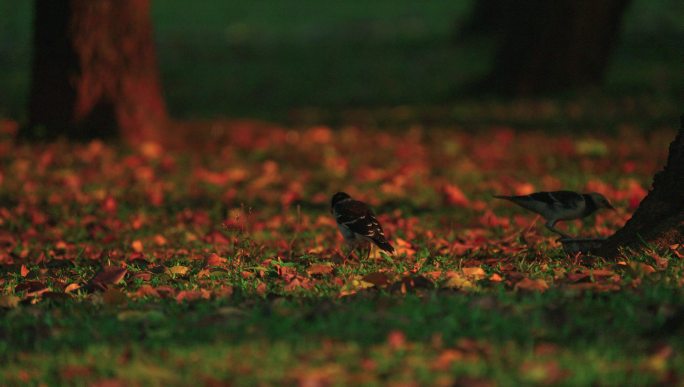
[
  {"x": 110, "y": 275},
  {"x": 109, "y": 205},
  {"x": 71, "y": 287},
  {"x": 24, "y": 271},
  {"x": 396, "y": 340},
  {"x": 61, "y": 246},
  {"x": 159, "y": 240},
  {"x": 453, "y": 195},
  {"x": 319, "y": 269},
  {"x": 445, "y": 359},
  {"x": 31, "y": 288},
  {"x": 495, "y": 278},
  {"x": 137, "y": 246},
  {"x": 147, "y": 291},
  {"x": 378, "y": 279},
  {"x": 261, "y": 289},
  {"x": 403, "y": 247},
  {"x": 644, "y": 268},
  {"x": 224, "y": 291},
  {"x": 215, "y": 260},
  {"x": 538, "y": 285},
  {"x": 192, "y": 295},
  {"x": 166, "y": 291},
  {"x": 298, "y": 283},
  {"x": 601, "y": 273},
  {"x": 143, "y": 276},
  {"x": 216, "y": 238},
  {"x": 576, "y": 277},
  {"x": 599, "y": 287}
]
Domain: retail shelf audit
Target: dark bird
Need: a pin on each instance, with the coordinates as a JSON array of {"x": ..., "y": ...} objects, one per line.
[
  {"x": 561, "y": 205},
  {"x": 357, "y": 222}
]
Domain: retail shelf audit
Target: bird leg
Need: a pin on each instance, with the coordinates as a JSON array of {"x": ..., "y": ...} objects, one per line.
[{"x": 550, "y": 225}]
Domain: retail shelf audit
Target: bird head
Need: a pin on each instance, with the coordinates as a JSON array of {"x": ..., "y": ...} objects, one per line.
[
  {"x": 338, "y": 197},
  {"x": 601, "y": 201}
]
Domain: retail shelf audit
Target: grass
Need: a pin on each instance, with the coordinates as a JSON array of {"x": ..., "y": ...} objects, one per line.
[
  {"x": 303, "y": 61},
  {"x": 233, "y": 271}
]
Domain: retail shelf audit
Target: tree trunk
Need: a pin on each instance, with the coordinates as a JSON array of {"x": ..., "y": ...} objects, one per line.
[
  {"x": 489, "y": 17},
  {"x": 94, "y": 71},
  {"x": 659, "y": 220},
  {"x": 555, "y": 45}
]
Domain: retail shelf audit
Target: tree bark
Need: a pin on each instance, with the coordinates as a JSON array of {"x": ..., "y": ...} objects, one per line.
[
  {"x": 659, "y": 219},
  {"x": 555, "y": 45},
  {"x": 94, "y": 71}
]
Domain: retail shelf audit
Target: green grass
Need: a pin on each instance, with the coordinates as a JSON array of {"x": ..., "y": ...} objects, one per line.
[
  {"x": 454, "y": 306},
  {"x": 297, "y": 61}
]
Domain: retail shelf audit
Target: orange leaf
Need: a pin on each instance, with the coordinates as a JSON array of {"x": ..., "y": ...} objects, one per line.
[
  {"x": 24, "y": 271},
  {"x": 159, "y": 240},
  {"x": 137, "y": 246},
  {"x": 215, "y": 260},
  {"x": 538, "y": 285},
  {"x": 319, "y": 268},
  {"x": 454, "y": 196},
  {"x": 378, "y": 279},
  {"x": 476, "y": 273},
  {"x": 495, "y": 278}
]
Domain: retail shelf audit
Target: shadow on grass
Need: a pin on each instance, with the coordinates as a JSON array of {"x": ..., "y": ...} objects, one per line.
[{"x": 626, "y": 320}]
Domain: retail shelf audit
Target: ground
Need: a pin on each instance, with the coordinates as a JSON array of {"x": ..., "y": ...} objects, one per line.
[
  {"x": 216, "y": 260},
  {"x": 135, "y": 265}
]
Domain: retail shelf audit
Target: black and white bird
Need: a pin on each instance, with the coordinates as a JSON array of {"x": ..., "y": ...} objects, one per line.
[
  {"x": 560, "y": 205},
  {"x": 357, "y": 222}
]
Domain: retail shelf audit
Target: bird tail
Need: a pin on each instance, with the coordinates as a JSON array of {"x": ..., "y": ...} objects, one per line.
[{"x": 384, "y": 245}]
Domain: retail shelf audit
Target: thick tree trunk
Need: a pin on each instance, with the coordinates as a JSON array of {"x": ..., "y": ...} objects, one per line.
[
  {"x": 555, "y": 45},
  {"x": 659, "y": 220},
  {"x": 94, "y": 71}
]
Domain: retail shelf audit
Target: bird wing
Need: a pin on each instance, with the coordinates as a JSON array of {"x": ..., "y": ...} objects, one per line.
[
  {"x": 361, "y": 220},
  {"x": 567, "y": 199}
]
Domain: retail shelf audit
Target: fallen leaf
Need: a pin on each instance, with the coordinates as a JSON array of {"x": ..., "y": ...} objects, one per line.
[
  {"x": 24, "y": 271},
  {"x": 9, "y": 301},
  {"x": 476, "y": 273},
  {"x": 454, "y": 196},
  {"x": 179, "y": 270},
  {"x": 215, "y": 260},
  {"x": 495, "y": 278},
  {"x": 378, "y": 279},
  {"x": 319, "y": 269},
  {"x": 110, "y": 275},
  {"x": 458, "y": 281},
  {"x": 31, "y": 288},
  {"x": 137, "y": 246},
  {"x": 538, "y": 285},
  {"x": 192, "y": 295}
]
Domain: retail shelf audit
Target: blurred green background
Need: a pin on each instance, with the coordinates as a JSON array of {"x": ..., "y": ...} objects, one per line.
[{"x": 298, "y": 60}]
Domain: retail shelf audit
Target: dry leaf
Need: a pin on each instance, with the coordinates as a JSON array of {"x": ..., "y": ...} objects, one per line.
[
  {"x": 538, "y": 285},
  {"x": 179, "y": 270},
  {"x": 110, "y": 275},
  {"x": 9, "y": 301},
  {"x": 476, "y": 273},
  {"x": 378, "y": 279},
  {"x": 319, "y": 269}
]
